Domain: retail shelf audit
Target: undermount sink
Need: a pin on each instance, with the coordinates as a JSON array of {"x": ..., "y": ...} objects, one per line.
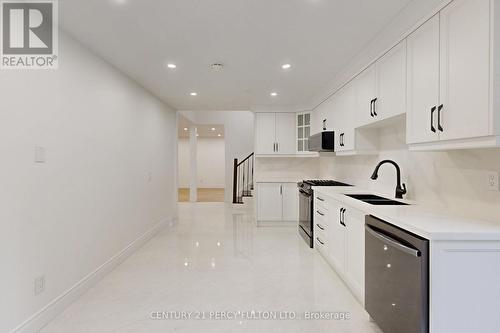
[{"x": 376, "y": 200}]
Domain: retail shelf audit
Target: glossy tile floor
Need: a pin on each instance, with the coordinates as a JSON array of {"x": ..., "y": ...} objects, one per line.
[{"x": 217, "y": 259}]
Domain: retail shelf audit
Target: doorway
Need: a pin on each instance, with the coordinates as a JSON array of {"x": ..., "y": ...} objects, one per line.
[{"x": 208, "y": 166}]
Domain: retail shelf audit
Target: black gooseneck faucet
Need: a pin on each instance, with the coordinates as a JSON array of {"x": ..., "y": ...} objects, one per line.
[{"x": 399, "y": 190}]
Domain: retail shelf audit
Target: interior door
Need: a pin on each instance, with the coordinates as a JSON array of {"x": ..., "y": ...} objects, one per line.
[
  {"x": 269, "y": 202},
  {"x": 465, "y": 69},
  {"x": 265, "y": 130},
  {"x": 391, "y": 83},
  {"x": 290, "y": 194},
  {"x": 365, "y": 93},
  {"x": 286, "y": 133},
  {"x": 423, "y": 83}
]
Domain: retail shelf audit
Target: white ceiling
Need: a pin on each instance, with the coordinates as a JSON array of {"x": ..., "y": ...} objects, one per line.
[{"x": 253, "y": 38}]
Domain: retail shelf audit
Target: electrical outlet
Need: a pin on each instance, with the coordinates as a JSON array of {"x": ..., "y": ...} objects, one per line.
[
  {"x": 40, "y": 154},
  {"x": 493, "y": 181},
  {"x": 39, "y": 285}
]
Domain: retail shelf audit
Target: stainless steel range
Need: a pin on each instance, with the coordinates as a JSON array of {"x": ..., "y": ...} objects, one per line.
[{"x": 306, "y": 203}]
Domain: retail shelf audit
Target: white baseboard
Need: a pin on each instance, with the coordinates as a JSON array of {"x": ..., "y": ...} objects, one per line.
[{"x": 41, "y": 318}]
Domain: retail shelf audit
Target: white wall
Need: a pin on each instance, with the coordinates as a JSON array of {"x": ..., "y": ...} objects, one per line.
[
  {"x": 103, "y": 134},
  {"x": 211, "y": 159},
  {"x": 238, "y": 134},
  {"x": 453, "y": 180},
  {"x": 284, "y": 168}
]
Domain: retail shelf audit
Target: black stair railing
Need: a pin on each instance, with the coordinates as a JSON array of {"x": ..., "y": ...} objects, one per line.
[{"x": 243, "y": 179}]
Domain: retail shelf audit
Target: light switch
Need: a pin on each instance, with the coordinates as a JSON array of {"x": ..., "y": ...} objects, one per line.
[{"x": 40, "y": 156}]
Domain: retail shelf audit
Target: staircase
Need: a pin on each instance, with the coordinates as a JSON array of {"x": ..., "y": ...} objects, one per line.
[{"x": 243, "y": 179}]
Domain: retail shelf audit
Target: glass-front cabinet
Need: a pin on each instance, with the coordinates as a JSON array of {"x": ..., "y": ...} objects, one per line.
[{"x": 303, "y": 131}]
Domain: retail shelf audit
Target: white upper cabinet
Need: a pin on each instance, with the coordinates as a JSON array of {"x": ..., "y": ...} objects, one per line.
[
  {"x": 343, "y": 118},
  {"x": 275, "y": 133},
  {"x": 423, "y": 83},
  {"x": 323, "y": 117},
  {"x": 265, "y": 133},
  {"x": 445, "y": 76},
  {"x": 391, "y": 83},
  {"x": 285, "y": 133},
  {"x": 450, "y": 79},
  {"x": 303, "y": 132},
  {"x": 381, "y": 88},
  {"x": 366, "y": 92},
  {"x": 465, "y": 69}
]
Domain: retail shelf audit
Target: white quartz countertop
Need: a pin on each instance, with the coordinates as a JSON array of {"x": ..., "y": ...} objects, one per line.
[{"x": 430, "y": 223}]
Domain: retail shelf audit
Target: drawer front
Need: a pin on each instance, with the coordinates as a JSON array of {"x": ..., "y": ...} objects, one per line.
[
  {"x": 320, "y": 241},
  {"x": 320, "y": 223},
  {"x": 320, "y": 202},
  {"x": 320, "y": 215}
]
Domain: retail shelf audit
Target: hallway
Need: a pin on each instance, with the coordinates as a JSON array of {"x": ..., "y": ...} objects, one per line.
[{"x": 216, "y": 259}]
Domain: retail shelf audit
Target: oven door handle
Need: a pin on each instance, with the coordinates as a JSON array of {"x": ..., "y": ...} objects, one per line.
[
  {"x": 392, "y": 242},
  {"x": 305, "y": 193}
]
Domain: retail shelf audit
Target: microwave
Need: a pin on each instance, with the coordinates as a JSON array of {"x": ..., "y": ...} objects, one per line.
[{"x": 322, "y": 142}]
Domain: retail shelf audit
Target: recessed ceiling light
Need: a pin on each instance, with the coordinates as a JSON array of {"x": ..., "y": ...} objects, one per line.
[
  {"x": 286, "y": 66},
  {"x": 274, "y": 94},
  {"x": 213, "y": 128},
  {"x": 193, "y": 94},
  {"x": 217, "y": 67},
  {"x": 219, "y": 134},
  {"x": 185, "y": 128},
  {"x": 197, "y": 135},
  {"x": 171, "y": 66}
]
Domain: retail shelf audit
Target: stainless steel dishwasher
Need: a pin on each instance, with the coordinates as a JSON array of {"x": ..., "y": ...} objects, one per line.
[{"x": 396, "y": 278}]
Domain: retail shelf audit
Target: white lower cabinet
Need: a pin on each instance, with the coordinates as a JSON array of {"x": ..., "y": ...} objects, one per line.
[
  {"x": 277, "y": 202},
  {"x": 337, "y": 239},
  {"x": 339, "y": 235},
  {"x": 290, "y": 199},
  {"x": 355, "y": 251}
]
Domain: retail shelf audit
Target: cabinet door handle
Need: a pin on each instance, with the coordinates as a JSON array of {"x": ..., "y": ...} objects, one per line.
[
  {"x": 319, "y": 240},
  {"x": 320, "y": 226},
  {"x": 371, "y": 108},
  {"x": 375, "y": 107},
  {"x": 281, "y": 189},
  {"x": 440, "y": 108},
  {"x": 277, "y": 146},
  {"x": 343, "y": 216},
  {"x": 433, "y": 109}
]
